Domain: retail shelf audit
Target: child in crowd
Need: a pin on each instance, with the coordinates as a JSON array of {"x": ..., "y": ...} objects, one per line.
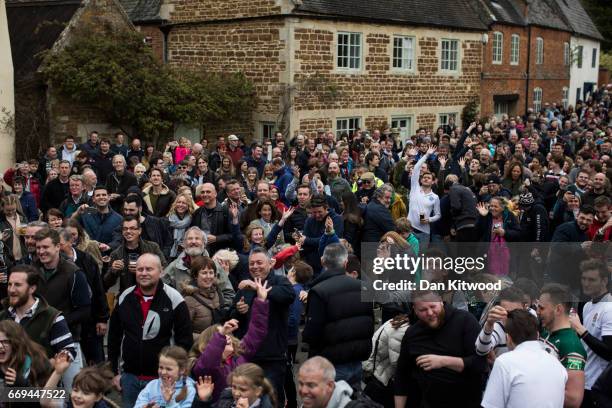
[
  {"x": 216, "y": 352},
  {"x": 173, "y": 388},
  {"x": 249, "y": 389},
  {"x": 88, "y": 386}
]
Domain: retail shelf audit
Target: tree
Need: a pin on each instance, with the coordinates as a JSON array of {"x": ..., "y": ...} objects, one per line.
[
  {"x": 116, "y": 72},
  {"x": 601, "y": 14}
]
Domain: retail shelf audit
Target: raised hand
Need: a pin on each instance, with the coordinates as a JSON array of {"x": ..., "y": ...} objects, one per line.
[
  {"x": 62, "y": 362},
  {"x": 233, "y": 210},
  {"x": 286, "y": 216},
  {"x": 10, "y": 376},
  {"x": 229, "y": 327},
  {"x": 262, "y": 289},
  {"x": 431, "y": 150},
  {"x": 329, "y": 225},
  {"x": 205, "y": 388},
  {"x": 482, "y": 209},
  {"x": 442, "y": 161},
  {"x": 247, "y": 284},
  {"x": 462, "y": 162},
  {"x": 412, "y": 152}
]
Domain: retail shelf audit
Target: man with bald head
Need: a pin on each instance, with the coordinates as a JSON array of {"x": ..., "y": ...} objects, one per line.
[
  {"x": 148, "y": 317},
  {"x": 213, "y": 218},
  {"x": 317, "y": 386}
]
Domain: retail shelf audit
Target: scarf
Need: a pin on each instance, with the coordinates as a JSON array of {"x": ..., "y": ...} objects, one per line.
[{"x": 179, "y": 226}]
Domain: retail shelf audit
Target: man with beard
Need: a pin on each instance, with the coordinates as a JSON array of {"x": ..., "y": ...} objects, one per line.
[
  {"x": 123, "y": 259},
  {"x": 599, "y": 189},
  {"x": 438, "y": 366},
  {"x": 561, "y": 340},
  {"x": 250, "y": 212},
  {"x": 178, "y": 272},
  {"x": 337, "y": 184},
  {"x": 44, "y": 324},
  {"x": 147, "y": 318}
]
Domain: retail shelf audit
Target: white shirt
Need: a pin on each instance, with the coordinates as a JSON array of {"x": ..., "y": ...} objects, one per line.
[
  {"x": 420, "y": 202},
  {"x": 597, "y": 319},
  {"x": 516, "y": 382}
]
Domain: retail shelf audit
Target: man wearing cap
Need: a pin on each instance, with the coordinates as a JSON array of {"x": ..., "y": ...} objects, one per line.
[
  {"x": 234, "y": 151},
  {"x": 493, "y": 188}
]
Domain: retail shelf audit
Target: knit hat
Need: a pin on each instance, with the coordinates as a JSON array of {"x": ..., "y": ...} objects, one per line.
[{"x": 526, "y": 199}]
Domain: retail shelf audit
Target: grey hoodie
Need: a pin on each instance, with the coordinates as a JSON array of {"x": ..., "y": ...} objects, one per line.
[{"x": 341, "y": 395}]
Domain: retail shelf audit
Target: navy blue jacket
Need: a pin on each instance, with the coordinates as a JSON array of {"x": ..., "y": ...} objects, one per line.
[
  {"x": 314, "y": 230},
  {"x": 377, "y": 221},
  {"x": 100, "y": 226},
  {"x": 28, "y": 205}
]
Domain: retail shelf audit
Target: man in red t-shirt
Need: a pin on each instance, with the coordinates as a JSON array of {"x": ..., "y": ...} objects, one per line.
[{"x": 601, "y": 228}]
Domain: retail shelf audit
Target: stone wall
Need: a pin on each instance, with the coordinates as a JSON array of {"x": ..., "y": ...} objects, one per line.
[
  {"x": 155, "y": 38},
  {"x": 253, "y": 48},
  {"x": 211, "y": 10}
]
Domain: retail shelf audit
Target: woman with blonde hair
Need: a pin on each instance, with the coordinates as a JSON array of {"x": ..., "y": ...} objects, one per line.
[
  {"x": 11, "y": 218},
  {"x": 179, "y": 218}
]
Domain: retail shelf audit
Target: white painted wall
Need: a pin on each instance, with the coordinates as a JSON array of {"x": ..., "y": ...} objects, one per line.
[
  {"x": 588, "y": 73},
  {"x": 7, "y": 93}
]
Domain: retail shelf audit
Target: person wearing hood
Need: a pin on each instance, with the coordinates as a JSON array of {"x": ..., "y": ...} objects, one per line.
[
  {"x": 157, "y": 196},
  {"x": 283, "y": 175},
  {"x": 318, "y": 389},
  {"x": 68, "y": 150}
]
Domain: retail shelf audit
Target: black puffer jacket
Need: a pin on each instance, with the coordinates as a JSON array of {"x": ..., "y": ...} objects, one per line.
[
  {"x": 215, "y": 222},
  {"x": 339, "y": 325}
]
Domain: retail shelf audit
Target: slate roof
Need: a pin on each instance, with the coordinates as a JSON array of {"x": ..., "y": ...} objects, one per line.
[
  {"x": 505, "y": 11},
  {"x": 578, "y": 19},
  {"x": 444, "y": 13},
  {"x": 543, "y": 14},
  {"x": 34, "y": 26},
  {"x": 142, "y": 11}
]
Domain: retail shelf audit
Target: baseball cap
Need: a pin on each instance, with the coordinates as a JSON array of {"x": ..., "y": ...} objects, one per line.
[
  {"x": 232, "y": 138},
  {"x": 367, "y": 176},
  {"x": 492, "y": 179}
]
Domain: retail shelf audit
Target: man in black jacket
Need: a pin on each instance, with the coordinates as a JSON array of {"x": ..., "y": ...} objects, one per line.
[
  {"x": 271, "y": 356},
  {"x": 377, "y": 217},
  {"x": 154, "y": 229},
  {"x": 463, "y": 209},
  {"x": 94, "y": 329},
  {"x": 147, "y": 318},
  {"x": 339, "y": 326},
  {"x": 57, "y": 190},
  {"x": 438, "y": 366},
  {"x": 119, "y": 181},
  {"x": 213, "y": 219}
]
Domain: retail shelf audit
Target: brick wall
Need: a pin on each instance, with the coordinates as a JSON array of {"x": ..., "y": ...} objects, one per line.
[
  {"x": 155, "y": 39},
  {"x": 507, "y": 79},
  {"x": 210, "y": 10},
  {"x": 253, "y": 48}
]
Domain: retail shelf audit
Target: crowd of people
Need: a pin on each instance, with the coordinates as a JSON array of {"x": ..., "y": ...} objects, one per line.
[{"x": 194, "y": 274}]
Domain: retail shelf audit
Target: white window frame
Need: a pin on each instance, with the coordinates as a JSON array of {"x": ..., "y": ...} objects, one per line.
[
  {"x": 537, "y": 99},
  {"x": 579, "y": 56},
  {"x": 357, "y": 46},
  {"x": 263, "y": 129},
  {"x": 539, "y": 51},
  {"x": 497, "y": 55},
  {"x": 497, "y": 114},
  {"x": 566, "y": 54},
  {"x": 594, "y": 58},
  {"x": 445, "y": 116},
  {"x": 515, "y": 49},
  {"x": 407, "y": 132},
  {"x": 347, "y": 126},
  {"x": 411, "y": 50},
  {"x": 565, "y": 97},
  {"x": 449, "y": 60}
]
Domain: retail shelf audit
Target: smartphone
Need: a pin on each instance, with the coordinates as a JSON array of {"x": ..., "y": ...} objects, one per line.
[
  {"x": 422, "y": 217},
  {"x": 90, "y": 210}
]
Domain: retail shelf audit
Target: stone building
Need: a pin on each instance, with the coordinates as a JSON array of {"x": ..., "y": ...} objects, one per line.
[
  {"x": 7, "y": 95},
  {"x": 334, "y": 64},
  {"x": 44, "y": 116},
  {"x": 531, "y": 54}
]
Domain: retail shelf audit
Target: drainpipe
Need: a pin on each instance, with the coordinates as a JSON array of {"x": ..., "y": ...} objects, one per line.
[{"x": 528, "y": 56}]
